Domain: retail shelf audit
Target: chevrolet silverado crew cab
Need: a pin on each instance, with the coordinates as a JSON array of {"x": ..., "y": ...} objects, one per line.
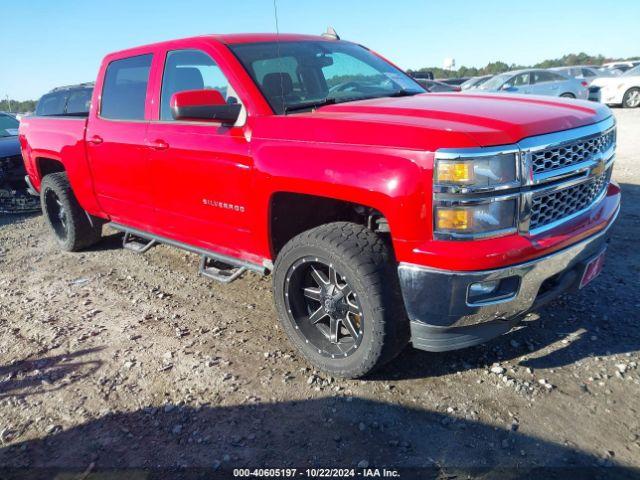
[{"x": 386, "y": 215}]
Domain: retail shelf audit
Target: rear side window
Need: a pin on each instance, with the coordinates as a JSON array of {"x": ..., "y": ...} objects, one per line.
[
  {"x": 125, "y": 88},
  {"x": 541, "y": 77},
  {"x": 79, "y": 101},
  {"x": 52, "y": 104}
]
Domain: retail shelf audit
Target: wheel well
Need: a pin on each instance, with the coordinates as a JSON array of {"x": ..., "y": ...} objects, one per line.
[
  {"x": 293, "y": 213},
  {"x": 47, "y": 166}
]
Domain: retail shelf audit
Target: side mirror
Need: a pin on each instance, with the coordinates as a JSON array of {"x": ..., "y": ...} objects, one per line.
[
  {"x": 506, "y": 86},
  {"x": 204, "y": 105}
]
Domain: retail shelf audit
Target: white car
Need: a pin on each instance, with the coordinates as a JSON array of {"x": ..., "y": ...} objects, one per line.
[{"x": 623, "y": 90}]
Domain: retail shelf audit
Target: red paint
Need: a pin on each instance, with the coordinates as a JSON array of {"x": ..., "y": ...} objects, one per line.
[{"x": 211, "y": 185}]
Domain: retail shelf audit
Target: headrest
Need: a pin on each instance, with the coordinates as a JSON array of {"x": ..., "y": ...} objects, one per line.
[{"x": 277, "y": 84}]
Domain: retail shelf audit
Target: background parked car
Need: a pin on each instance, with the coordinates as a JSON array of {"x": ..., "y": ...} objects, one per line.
[
  {"x": 14, "y": 197},
  {"x": 70, "y": 100},
  {"x": 437, "y": 86},
  {"x": 587, "y": 73},
  {"x": 623, "y": 66},
  {"x": 453, "y": 81},
  {"x": 623, "y": 90},
  {"x": 536, "y": 82},
  {"x": 475, "y": 82}
]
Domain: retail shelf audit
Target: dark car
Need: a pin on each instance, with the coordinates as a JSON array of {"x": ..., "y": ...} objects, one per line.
[
  {"x": 71, "y": 100},
  {"x": 454, "y": 81},
  {"x": 14, "y": 197},
  {"x": 436, "y": 86}
]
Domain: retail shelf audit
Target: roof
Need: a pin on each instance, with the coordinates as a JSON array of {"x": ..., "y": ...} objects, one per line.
[
  {"x": 229, "y": 39},
  {"x": 235, "y": 38}
]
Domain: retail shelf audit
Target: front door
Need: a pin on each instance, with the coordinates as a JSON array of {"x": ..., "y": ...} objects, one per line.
[
  {"x": 201, "y": 170},
  {"x": 116, "y": 143}
]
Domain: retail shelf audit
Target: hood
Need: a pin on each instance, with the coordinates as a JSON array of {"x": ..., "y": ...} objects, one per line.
[
  {"x": 9, "y": 147},
  {"x": 487, "y": 119}
]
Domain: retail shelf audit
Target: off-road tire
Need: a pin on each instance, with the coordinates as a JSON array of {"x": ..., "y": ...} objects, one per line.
[
  {"x": 626, "y": 99},
  {"x": 367, "y": 261},
  {"x": 82, "y": 231}
]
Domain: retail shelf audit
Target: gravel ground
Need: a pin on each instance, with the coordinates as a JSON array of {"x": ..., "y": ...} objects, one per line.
[{"x": 112, "y": 360}]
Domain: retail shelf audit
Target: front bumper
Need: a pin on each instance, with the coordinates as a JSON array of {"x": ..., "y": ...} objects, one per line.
[{"x": 442, "y": 317}]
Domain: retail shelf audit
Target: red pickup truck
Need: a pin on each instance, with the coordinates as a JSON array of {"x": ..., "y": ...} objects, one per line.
[{"x": 385, "y": 214}]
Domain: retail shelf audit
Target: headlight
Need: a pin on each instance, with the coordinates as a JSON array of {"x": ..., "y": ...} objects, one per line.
[
  {"x": 480, "y": 172},
  {"x": 477, "y": 220}
]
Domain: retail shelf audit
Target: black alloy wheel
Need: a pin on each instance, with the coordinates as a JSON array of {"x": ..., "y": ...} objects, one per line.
[{"x": 323, "y": 307}]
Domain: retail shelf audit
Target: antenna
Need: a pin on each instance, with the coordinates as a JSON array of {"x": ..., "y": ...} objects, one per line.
[
  {"x": 331, "y": 34},
  {"x": 275, "y": 14}
]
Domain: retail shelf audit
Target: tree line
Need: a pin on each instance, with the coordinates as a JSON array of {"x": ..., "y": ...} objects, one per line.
[{"x": 17, "y": 107}]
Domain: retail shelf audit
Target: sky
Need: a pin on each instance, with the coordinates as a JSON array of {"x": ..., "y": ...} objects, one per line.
[{"x": 48, "y": 43}]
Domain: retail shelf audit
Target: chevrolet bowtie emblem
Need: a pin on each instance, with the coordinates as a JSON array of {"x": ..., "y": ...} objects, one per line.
[{"x": 598, "y": 169}]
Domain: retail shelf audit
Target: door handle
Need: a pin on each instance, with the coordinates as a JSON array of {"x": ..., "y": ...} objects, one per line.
[
  {"x": 96, "y": 140},
  {"x": 158, "y": 145}
]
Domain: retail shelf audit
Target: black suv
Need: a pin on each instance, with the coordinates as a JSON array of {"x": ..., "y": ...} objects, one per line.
[
  {"x": 14, "y": 197},
  {"x": 72, "y": 100}
]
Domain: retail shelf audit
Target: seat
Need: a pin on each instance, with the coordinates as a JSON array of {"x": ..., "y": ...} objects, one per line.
[{"x": 182, "y": 79}]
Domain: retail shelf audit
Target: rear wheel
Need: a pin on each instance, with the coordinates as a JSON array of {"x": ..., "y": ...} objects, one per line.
[
  {"x": 631, "y": 98},
  {"x": 568, "y": 95},
  {"x": 72, "y": 226},
  {"x": 338, "y": 299}
]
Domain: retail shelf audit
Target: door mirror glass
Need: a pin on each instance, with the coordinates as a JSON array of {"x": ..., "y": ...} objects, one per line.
[{"x": 203, "y": 105}]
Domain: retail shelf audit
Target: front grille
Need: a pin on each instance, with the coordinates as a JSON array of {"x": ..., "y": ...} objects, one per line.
[
  {"x": 551, "y": 207},
  {"x": 11, "y": 166},
  {"x": 571, "y": 154}
]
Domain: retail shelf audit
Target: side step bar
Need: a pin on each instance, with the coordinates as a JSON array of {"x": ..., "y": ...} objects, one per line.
[
  {"x": 215, "y": 266},
  {"x": 221, "y": 272},
  {"x": 136, "y": 244}
]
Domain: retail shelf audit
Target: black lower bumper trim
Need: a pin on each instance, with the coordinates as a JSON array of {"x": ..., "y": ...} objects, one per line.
[{"x": 434, "y": 339}]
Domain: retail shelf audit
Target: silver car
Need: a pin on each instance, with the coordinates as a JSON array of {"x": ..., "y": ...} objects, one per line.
[
  {"x": 586, "y": 73},
  {"x": 536, "y": 82}
]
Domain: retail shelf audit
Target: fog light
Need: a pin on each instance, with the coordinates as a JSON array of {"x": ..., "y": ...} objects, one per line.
[
  {"x": 483, "y": 288},
  {"x": 501, "y": 290}
]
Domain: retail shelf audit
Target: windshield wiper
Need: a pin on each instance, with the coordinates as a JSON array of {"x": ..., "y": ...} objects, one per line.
[
  {"x": 403, "y": 93},
  {"x": 307, "y": 105}
]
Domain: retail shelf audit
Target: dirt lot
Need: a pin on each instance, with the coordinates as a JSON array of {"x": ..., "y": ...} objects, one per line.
[{"x": 110, "y": 359}]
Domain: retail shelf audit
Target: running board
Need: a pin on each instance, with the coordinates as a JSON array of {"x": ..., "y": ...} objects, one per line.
[
  {"x": 216, "y": 266},
  {"x": 136, "y": 244},
  {"x": 219, "y": 271}
]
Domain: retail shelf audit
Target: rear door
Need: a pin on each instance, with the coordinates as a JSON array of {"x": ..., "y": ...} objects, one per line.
[
  {"x": 116, "y": 141},
  {"x": 545, "y": 83}
]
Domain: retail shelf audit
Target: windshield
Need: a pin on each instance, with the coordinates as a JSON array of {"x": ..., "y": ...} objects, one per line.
[
  {"x": 635, "y": 71},
  {"x": 496, "y": 82},
  {"x": 8, "y": 126},
  {"x": 302, "y": 75}
]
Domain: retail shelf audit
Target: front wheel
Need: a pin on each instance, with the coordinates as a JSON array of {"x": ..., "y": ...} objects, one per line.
[
  {"x": 72, "y": 226},
  {"x": 568, "y": 95},
  {"x": 631, "y": 98},
  {"x": 338, "y": 299}
]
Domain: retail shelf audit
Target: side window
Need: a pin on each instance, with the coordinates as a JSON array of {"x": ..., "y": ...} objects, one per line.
[
  {"x": 51, "y": 104},
  {"x": 541, "y": 77},
  {"x": 125, "y": 88},
  {"x": 79, "y": 101},
  {"x": 520, "y": 80},
  {"x": 586, "y": 72},
  {"x": 191, "y": 70}
]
